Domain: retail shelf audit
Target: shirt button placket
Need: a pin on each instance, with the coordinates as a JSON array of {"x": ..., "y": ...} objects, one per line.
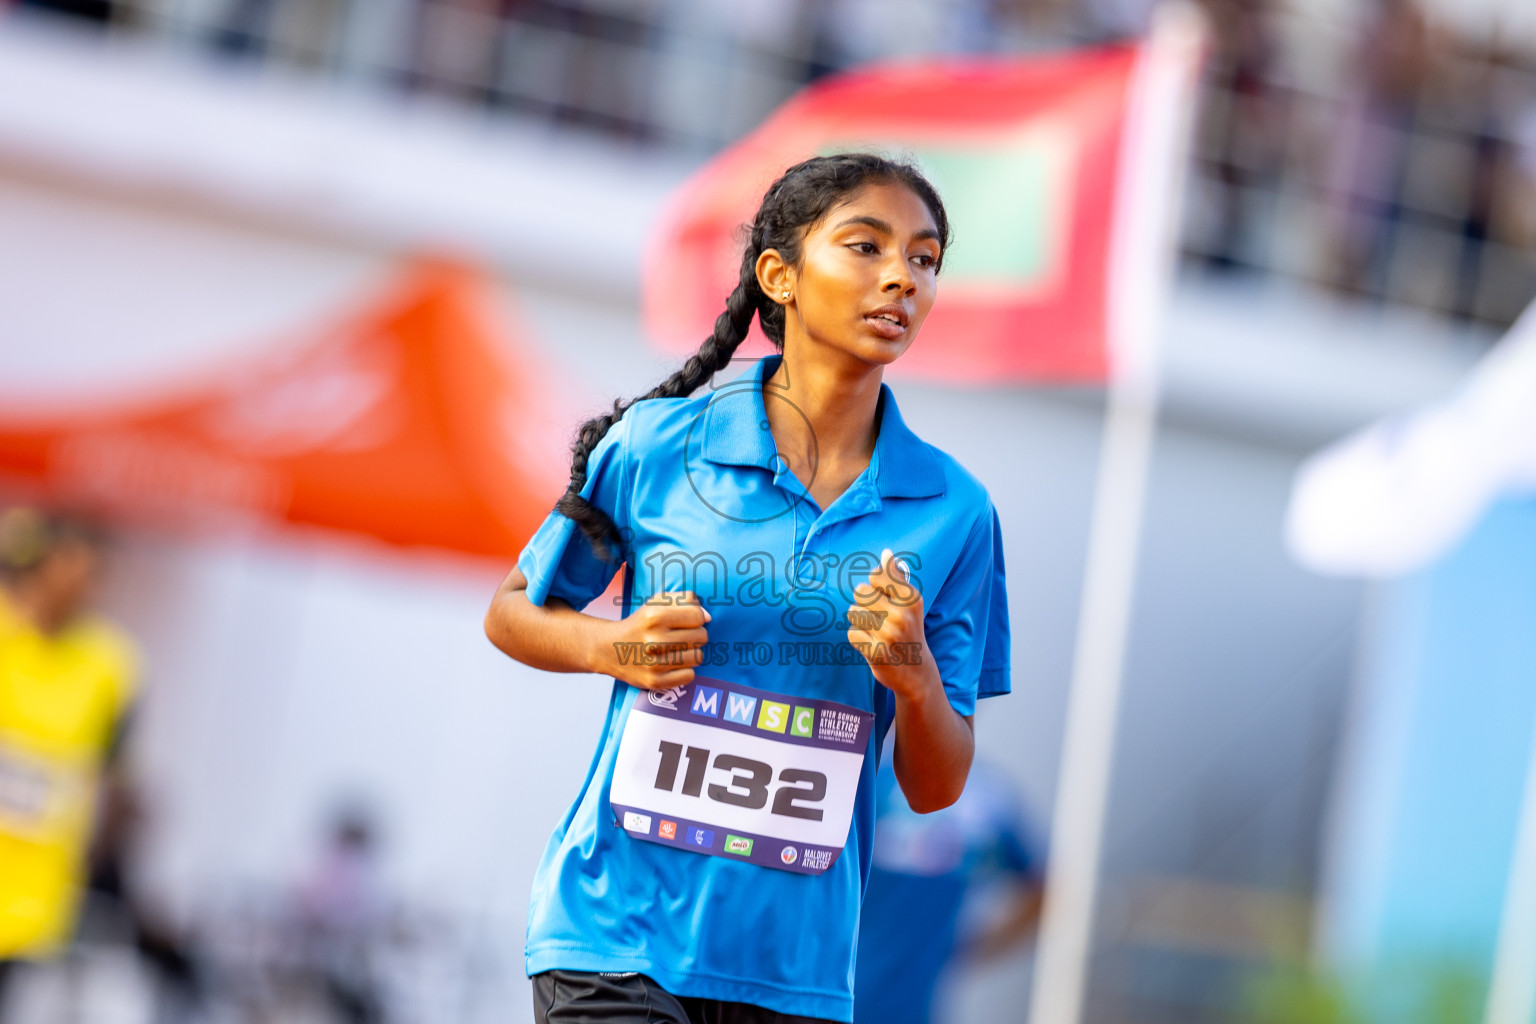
[{"x": 805, "y": 519}]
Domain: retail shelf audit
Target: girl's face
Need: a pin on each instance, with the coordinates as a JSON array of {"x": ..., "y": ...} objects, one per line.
[{"x": 867, "y": 276}]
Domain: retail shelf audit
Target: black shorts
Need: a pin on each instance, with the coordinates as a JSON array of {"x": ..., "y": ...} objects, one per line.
[{"x": 579, "y": 997}]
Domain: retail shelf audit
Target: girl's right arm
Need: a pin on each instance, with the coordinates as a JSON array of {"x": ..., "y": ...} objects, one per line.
[{"x": 655, "y": 647}]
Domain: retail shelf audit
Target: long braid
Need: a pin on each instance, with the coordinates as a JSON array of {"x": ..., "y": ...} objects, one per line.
[
  {"x": 731, "y": 327},
  {"x": 797, "y": 200}
]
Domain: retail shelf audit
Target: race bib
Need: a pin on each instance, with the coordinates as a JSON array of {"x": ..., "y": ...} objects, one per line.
[
  {"x": 745, "y": 774},
  {"x": 30, "y": 795}
]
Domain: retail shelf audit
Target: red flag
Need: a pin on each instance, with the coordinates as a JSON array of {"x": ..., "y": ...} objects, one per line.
[{"x": 1027, "y": 155}]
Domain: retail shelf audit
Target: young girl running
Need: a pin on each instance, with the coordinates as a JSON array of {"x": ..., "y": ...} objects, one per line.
[{"x": 801, "y": 574}]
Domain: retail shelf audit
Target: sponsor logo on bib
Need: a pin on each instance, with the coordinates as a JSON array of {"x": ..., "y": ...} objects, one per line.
[
  {"x": 703, "y": 838},
  {"x": 635, "y": 822},
  {"x": 738, "y": 844},
  {"x": 666, "y": 698},
  {"x": 789, "y": 855},
  {"x": 668, "y": 829}
]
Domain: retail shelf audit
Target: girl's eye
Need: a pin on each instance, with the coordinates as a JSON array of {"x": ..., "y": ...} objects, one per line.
[
  {"x": 867, "y": 248},
  {"x": 926, "y": 261}
]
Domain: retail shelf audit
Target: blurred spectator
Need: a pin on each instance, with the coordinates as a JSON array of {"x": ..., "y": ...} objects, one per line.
[
  {"x": 928, "y": 871},
  {"x": 1518, "y": 196},
  {"x": 1394, "y": 61},
  {"x": 1480, "y": 116},
  {"x": 1022, "y": 26},
  {"x": 456, "y": 45},
  {"x": 855, "y": 31},
  {"x": 342, "y": 916},
  {"x": 1116, "y": 19},
  {"x": 92, "y": 11},
  {"x": 244, "y": 30},
  {"x": 1498, "y": 277},
  {"x": 178, "y": 972},
  {"x": 1242, "y": 128},
  {"x": 66, "y": 680}
]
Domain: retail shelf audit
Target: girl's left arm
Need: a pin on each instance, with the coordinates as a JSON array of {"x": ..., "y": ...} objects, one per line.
[{"x": 934, "y": 742}]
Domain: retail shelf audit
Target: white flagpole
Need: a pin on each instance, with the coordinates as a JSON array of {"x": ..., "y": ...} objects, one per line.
[
  {"x": 1512, "y": 990},
  {"x": 1147, "y": 204}
]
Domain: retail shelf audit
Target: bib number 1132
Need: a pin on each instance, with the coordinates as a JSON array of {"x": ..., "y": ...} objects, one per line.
[
  {"x": 749, "y": 781},
  {"x": 726, "y": 770}
]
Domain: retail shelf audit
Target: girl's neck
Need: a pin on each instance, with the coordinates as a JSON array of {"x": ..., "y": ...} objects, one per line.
[{"x": 828, "y": 412}]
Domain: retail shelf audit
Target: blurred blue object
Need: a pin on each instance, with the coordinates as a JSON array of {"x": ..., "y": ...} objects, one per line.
[
  {"x": 914, "y": 924},
  {"x": 1433, "y": 777}
]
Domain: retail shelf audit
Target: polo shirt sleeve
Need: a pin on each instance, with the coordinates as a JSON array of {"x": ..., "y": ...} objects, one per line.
[
  {"x": 997, "y": 657},
  {"x": 966, "y": 623},
  {"x": 558, "y": 560}
]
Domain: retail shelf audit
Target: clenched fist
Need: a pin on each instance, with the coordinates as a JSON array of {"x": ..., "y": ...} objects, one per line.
[
  {"x": 886, "y": 626},
  {"x": 659, "y": 644}
]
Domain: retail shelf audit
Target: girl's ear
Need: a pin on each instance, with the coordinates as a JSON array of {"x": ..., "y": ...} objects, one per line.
[{"x": 775, "y": 277}]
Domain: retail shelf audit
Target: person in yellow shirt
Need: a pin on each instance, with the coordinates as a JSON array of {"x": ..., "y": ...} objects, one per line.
[{"x": 66, "y": 679}]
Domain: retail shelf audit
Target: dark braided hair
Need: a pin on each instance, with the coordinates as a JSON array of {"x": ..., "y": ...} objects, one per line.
[{"x": 794, "y": 203}]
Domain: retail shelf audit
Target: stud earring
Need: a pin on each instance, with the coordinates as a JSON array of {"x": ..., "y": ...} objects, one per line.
[{"x": 786, "y": 296}]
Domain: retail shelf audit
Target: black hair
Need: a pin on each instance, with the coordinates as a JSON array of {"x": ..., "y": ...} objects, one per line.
[{"x": 794, "y": 203}]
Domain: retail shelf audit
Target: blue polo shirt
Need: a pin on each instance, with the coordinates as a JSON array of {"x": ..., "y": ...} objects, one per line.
[{"x": 705, "y": 503}]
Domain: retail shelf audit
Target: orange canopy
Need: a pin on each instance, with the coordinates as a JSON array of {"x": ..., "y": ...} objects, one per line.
[{"x": 412, "y": 422}]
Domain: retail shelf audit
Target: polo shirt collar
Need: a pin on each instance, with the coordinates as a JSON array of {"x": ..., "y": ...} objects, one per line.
[{"x": 736, "y": 434}]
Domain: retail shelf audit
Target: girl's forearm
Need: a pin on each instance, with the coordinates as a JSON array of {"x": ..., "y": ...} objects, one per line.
[
  {"x": 554, "y": 637},
  {"x": 934, "y": 748}
]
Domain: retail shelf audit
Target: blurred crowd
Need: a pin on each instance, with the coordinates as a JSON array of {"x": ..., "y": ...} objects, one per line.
[
  {"x": 1379, "y": 152},
  {"x": 1406, "y": 173}
]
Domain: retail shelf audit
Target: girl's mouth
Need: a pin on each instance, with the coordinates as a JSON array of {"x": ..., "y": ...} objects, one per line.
[{"x": 890, "y": 322}]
